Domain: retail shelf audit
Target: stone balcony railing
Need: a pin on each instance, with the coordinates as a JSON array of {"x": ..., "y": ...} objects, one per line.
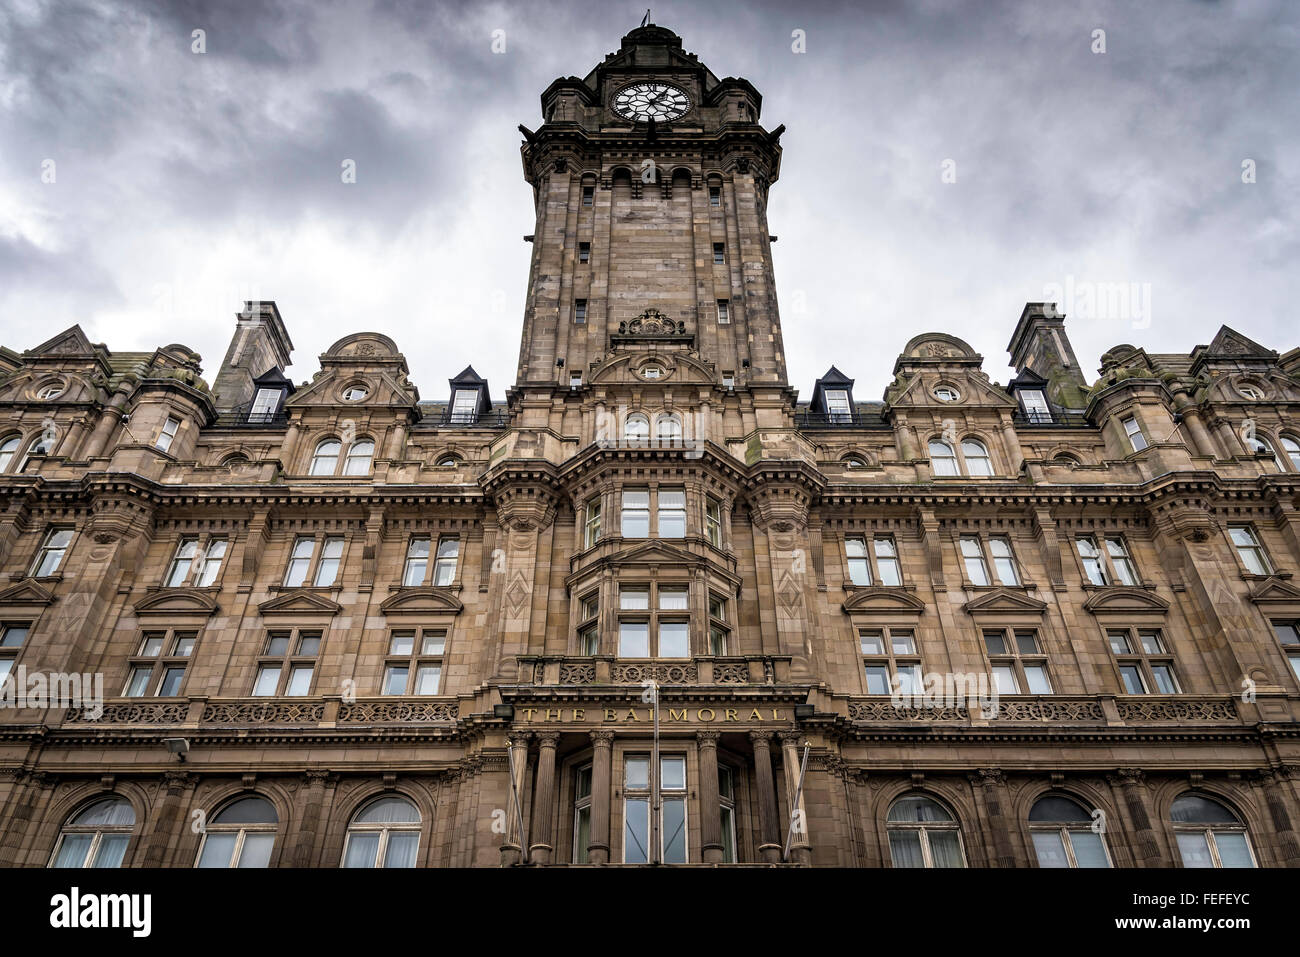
[
  {"x": 608, "y": 670},
  {"x": 214, "y": 713},
  {"x": 1029, "y": 710}
]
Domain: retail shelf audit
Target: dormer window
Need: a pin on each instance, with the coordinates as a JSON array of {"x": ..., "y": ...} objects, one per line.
[
  {"x": 837, "y": 405},
  {"x": 464, "y": 406},
  {"x": 266, "y": 402},
  {"x": 355, "y": 393},
  {"x": 1034, "y": 404}
]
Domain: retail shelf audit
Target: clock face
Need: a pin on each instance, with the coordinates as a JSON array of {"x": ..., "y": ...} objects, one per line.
[{"x": 646, "y": 101}]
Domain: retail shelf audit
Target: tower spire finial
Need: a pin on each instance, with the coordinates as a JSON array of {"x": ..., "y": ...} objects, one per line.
[{"x": 646, "y": 19}]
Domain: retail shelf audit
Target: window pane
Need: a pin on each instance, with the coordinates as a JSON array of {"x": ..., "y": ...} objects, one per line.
[
  {"x": 1036, "y": 678},
  {"x": 995, "y": 642},
  {"x": 402, "y": 644},
  {"x": 73, "y": 850},
  {"x": 1119, "y": 643},
  {"x": 945, "y": 849},
  {"x": 634, "y": 639},
  {"x": 427, "y": 678},
  {"x": 877, "y": 679},
  {"x": 1287, "y": 632},
  {"x": 138, "y": 683},
  {"x": 1026, "y": 643},
  {"x": 152, "y": 646},
  {"x": 13, "y": 636},
  {"x": 1233, "y": 849},
  {"x": 1151, "y": 642},
  {"x": 278, "y": 645},
  {"x": 268, "y": 679},
  {"x": 402, "y": 846},
  {"x": 1004, "y": 677},
  {"x": 434, "y": 643},
  {"x": 873, "y": 642},
  {"x": 672, "y": 773},
  {"x": 171, "y": 682},
  {"x": 905, "y": 849},
  {"x": 674, "y": 831},
  {"x": 1132, "y": 677},
  {"x": 902, "y": 643},
  {"x": 673, "y": 640},
  {"x": 1164, "y": 676},
  {"x": 299, "y": 680},
  {"x": 362, "y": 850},
  {"x": 1194, "y": 850},
  {"x": 636, "y": 598},
  {"x": 395, "y": 679},
  {"x": 1050, "y": 849},
  {"x": 636, "y": 837},
  {"x": 112, "y": 848},
  {"x": 309, "y": 645},
  {"x": 184, "y": 646},
  {"x": 672, "y": 598},
  {"x": 257, "y": 850},
  {"x": 1089, "y": 851},
  {"x": 909, "y": 680},
  {"x": 638, "y": 773},
  {"x": 218, "y": 850}
]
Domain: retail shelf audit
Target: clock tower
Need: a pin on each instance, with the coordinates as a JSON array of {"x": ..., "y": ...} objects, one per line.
[{"x": 652, "y": 264}]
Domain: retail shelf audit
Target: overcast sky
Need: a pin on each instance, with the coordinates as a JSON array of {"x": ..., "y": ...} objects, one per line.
[{"x": 186, "y": 183}]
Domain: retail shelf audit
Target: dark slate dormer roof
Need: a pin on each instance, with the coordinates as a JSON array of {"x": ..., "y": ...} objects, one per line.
[
  {"x": 469, "y": 379},
  {"x": 1027, "y": 379},
  {"x": 273, "y": 378},
  {"x": 833, "y": 379}
]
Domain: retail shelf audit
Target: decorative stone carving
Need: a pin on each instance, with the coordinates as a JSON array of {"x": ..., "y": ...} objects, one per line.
[
  {"x": 652, "y": 322},
  {"x": 404, "y": 712},
  {"x": 665, "y": 674}
]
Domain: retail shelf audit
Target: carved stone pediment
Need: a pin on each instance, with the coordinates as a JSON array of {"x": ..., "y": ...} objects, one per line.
[
  {"x": 1274, "y": 591},
  {"x": 1121, "y": 599},
  {"x": 1003, "y": 601},
  {"x": 300, "y": 603},
  {"x": 26, "y": 592},
  {"x": 652, "y": 322},
  {"x": 177, "y": 601},
  {"x": 425, "y": 600},
  {"x": 883, "y": 598}
]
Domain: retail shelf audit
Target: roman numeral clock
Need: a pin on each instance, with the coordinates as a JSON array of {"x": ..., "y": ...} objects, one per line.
[{"x": 661, "y": 102}]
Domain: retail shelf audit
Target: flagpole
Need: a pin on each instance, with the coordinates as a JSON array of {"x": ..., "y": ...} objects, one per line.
[
  {"x": 655, "y": 836},
  {"x": 794, "y": 808}
]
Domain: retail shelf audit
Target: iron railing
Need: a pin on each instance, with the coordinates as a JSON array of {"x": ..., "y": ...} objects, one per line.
[
  {"x": 1041, "y": 418},
  {"x": 837, "y": 420}
]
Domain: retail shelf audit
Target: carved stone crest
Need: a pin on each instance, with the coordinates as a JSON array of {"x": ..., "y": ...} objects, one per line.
[{"x": 652, "y": 322}]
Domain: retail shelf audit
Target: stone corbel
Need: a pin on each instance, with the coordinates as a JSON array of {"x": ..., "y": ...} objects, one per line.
[
  {"x": 1050, "y": 546},
  {"x": 932, "y": 539}
]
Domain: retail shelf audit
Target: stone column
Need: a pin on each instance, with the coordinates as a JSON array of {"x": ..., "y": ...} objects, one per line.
[
  {"x": 769, "y": 841},
  {"x": 792, "y": 759},
  {"x": 109, "y": 416},
  {"x": 313, "y": 802},
  {"x": 598, "y": 845},
  {"x": 1270, "y": 782},
  {"x": 512, "y": 843},
  {"x": 1146, "y": 850},
  {"x": 710, "y": 808},
  {"x": 167, "y": 818},
  {"x": 990, "y": 788},
  {"x": 1015, "y": 453},
  {"x": 544, "y": 798}
]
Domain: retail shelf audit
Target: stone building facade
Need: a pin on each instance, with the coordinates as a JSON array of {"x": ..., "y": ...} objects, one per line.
[{"x": 1035, "y": 624}]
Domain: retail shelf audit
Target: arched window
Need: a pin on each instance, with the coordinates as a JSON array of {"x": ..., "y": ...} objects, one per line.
[
  {"x": 1063, "y": 834},
  {"x": 96, "y": 836},
  {"x": 637, "y": 428},
  {"x": 39, "y": 446},
  {"x": 8, "y": 449},
  {"x": 943, "y": 460},
  {"x": 669, "y": 428},
  {"x": 49, "y": 392},
  {"x": 923, "y": 834},
  {"x": 447, "y": 461},
  {"x": 1259, "y": 443},
  {"x": 1208, "y": 834},
  {"x": 977, "y": 458},
  {"x": 1291, "y": 446},
  {"x": 326, "y": 458},
  {"x": 360, "y": 453},
  {"x": 854, "y": 462},
  {"x": 241, "y": 834},
  {"x": 384, "y": 833},
  {"x": 1062, "y": 458}
]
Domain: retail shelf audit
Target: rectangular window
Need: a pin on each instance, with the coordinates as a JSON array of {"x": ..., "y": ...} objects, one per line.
[
  {"x": 859, "y": 554},
  {"x": 414, "y": 663},
  {"x": 1004, "y": 562},
  {"x": 654, "y": 622},
  {"x": 838, "y": 408},
  {"x": 636, "y": 513},
  {"x": 972, "y": 553},
  {"x": 158, "y": 667},
  {"x": 724, "y": 312},
  {"x": 713, "y": 522},
  {"x": 637, "y": 810},
  {"x": 584, "y": 252},
  {"x": 331, "y": 556},
  {"x": 209, "y": 562},
  {"x": 728, "y": 380},
  {"x": 287, "y": 664},
  {"x": 719, "y": 254},
  {"x": 672, "y": 513},
  {"x": 588, "y": 195},
  {"x": 859, "y": 561},
  {"x": 887, "y": 561},
  {"x": 417, "y": 561},
  {"x": 265, "y": 404},
  {"x": 1093, "y": 566},
  {"x": 591, "y": 532},
  {"x": 579, "y": 310},
  {"x": 464, "y": 406},
  {"x": 890, "y": 660},
  {"x": 1017, "y": 661},
  {"x": 1143, "y": 659},
  {"x": 715, "y": 195},
  {"x": 674, "y": 640},
  {"x": 51, "y": 553},
  {"x": 299, "y": 562},
  {"x": 581, "y": 813},
  {"x": 575, "y": 380},
  {"x": 1035, "y": 405},
  {"x": 179, "y": 570},
  {"x": 727, "y": 812},
  {"x": 1134, "y": 433},
  {"x": 444, "y": 567},
  {"x": 167, "y": 434},
  {"x": 634, "y": 639},
  {"x": 1249, "y": 550},
  {"x": 1120, "y": 562}
]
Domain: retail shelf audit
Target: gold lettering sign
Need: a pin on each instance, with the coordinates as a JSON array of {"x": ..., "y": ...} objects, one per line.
[{"x": 624, "y": 716}]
